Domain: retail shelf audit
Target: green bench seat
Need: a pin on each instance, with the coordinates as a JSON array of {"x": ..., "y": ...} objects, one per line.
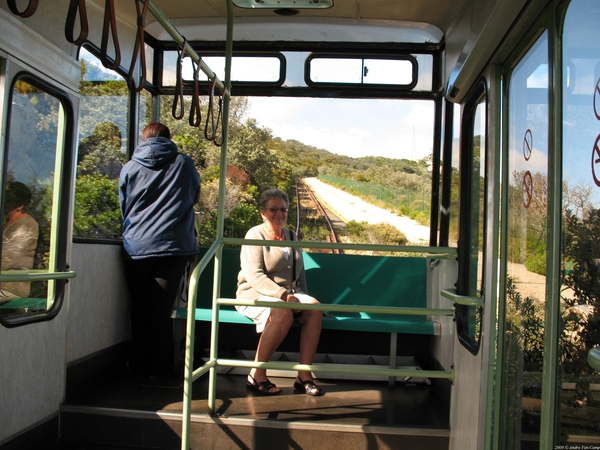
[
  {"x": 339, "y": 279},
  {"x": 26, "y": 303}
]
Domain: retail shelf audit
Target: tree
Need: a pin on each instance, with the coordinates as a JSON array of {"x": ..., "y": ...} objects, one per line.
[
  {"x": 97, "y": 212},
  {"x": 581, "y": 276}
]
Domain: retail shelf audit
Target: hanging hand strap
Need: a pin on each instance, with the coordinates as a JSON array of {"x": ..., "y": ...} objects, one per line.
[
  {"x": 195, "y": 113},
  {"x": 210, "y": 114},
  {"x": 110, "y": 25},
  {"x": 27, "y": 12},
  {"x": 76, "y": 6},
  {"x": 139, "y": 48},
  {"x": 178, "y": 97}
]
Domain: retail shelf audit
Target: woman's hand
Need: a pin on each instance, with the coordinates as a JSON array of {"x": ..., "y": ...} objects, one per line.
[{"x": 291, "y": 298}]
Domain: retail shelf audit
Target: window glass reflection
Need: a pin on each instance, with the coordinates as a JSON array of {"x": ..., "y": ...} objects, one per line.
[
  {"x": 102, "y": 150},
  {"x": 35, "y": 126},
  {"x": 580, "y": 290},
  {"x": 527, "y": 206}
]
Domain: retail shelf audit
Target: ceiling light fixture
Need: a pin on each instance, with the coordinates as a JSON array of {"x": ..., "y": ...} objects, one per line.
[
  {"x": 286, "y": 11},
  {"x": 284, "y": 4}
]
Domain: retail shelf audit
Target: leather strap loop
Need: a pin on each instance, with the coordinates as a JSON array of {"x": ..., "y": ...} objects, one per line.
[
  {"x": 178, "y": 97},
  {"x": 27, "y": 12},
  {"x": 110, "y": 25},
  {"x": 218, "y": 142},
  {"x": 139, "y": 48},
  {"x": 210, "y": 115},
  {"x": 76, "y": 6},
  {"x": 195, "y": 118}
]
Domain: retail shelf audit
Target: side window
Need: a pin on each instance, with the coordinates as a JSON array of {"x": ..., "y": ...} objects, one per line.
[
  {"x": 102, "y": 150},
  {"x": 35, "y": 190},
  {"x": 450, "y": 177},
  {"x": 472, "y": 219},
  {"x": 580, "y": 250}
]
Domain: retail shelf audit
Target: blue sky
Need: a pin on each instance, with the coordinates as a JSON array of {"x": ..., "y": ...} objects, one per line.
[{"x": 390, "y": 128}]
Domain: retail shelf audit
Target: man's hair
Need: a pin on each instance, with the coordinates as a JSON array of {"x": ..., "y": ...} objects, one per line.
[{"x": 156, "y": 129}]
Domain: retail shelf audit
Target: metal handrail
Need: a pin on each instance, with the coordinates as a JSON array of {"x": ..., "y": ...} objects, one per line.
[
  {"x": 179, "y": 39},
  {"x": 336, "y": 368},
  {"x": 34, "y": 275},
  {"x": 398, "y": 310},
  {"x": 465, "y": 300},
  {"x": 430, "y": 252},
  {"x": 214, "y": 362}
]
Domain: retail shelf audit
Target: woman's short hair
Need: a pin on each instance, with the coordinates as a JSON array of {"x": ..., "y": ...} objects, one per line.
[
  {"x": 270, "y": 194},
  {"x": 17, "y": 194},
  {"x": 156, "y": 129}
]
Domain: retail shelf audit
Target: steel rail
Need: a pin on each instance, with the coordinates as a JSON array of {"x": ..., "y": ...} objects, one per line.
[{"x": 322, "y": 213}]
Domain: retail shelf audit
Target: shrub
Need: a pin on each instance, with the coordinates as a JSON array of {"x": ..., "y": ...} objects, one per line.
[{"x": 384, "y": 233}]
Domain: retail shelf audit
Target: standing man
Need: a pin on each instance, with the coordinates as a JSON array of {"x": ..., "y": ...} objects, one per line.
[{"x": 157, "y": 189}]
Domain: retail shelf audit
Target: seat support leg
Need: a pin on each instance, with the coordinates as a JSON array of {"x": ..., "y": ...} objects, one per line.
[{"x": 393, "y": 349}]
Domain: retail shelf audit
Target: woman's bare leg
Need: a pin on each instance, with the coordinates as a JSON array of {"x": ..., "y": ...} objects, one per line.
[
  {"x": 309, "y": 339},
  {"x": 278, "y": 325}
]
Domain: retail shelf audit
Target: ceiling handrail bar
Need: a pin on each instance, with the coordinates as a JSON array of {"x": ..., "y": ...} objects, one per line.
[{"x": 179, "y": 39}]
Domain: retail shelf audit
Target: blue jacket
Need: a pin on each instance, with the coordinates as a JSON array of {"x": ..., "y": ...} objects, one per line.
[{"x": 157, "y": 190}]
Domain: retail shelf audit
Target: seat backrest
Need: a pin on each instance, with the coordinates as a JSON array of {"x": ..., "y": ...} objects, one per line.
[
  {"x": 339, "y": 279},
  {"x": 367, "y": 280}
]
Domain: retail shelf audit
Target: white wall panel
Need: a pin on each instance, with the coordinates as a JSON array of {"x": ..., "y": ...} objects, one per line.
[{"x": 99, "y": 303}]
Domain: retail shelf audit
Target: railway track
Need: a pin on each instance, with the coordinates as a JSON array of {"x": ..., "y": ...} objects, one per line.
[{"x": 312, "y": 222}]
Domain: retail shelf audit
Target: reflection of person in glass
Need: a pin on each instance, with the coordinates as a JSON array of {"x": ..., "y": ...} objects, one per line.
[{"x": 19, "y": 238}]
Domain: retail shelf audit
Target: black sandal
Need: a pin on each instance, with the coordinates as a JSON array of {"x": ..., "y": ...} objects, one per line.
[
  {"x": 263, "y": 387},
  {"x": 308, "y": 387}
]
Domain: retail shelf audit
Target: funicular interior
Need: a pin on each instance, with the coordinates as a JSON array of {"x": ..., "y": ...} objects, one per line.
[
  {"x": 502, "y": 357},
  {"x": 355, "y": 354}
]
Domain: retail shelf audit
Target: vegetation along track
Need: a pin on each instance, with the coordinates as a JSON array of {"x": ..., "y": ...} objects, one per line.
[{"x": 312, "y": 223}]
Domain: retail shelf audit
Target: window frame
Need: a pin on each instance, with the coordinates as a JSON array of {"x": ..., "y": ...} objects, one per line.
[
  {"x": 188, "y": 83},
  {"x": 465, "y": 234},
  {"x": 59, "y": 273},
  {"x": 362, "y": 56}
]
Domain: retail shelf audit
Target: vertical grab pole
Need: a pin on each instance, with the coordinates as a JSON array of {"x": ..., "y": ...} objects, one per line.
[
  {"x": 212, "y": 384},
  {"x": 185, "y": 438},
  {"x": 189, "y": 358}
]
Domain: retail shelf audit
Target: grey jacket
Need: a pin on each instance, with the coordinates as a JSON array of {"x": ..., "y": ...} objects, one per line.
[{"x": 266, "y": 271}]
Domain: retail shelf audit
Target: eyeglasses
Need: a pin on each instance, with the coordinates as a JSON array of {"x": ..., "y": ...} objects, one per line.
[{"x": 281, "y": 210}]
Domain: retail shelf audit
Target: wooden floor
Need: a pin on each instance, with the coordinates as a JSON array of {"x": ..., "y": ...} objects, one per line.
[{"x": 130, "y": 412}]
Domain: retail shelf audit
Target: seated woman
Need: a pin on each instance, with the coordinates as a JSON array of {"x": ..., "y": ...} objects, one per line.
[{"x": 277, "y": 274}]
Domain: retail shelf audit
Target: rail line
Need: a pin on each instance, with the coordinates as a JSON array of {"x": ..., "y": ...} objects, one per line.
[{"x": 312, "y": 222}]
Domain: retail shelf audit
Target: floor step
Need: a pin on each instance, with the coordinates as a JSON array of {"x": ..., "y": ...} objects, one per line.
[
  {"x": 162, "y": 430},
  {"x": 352, "y": 415}
]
